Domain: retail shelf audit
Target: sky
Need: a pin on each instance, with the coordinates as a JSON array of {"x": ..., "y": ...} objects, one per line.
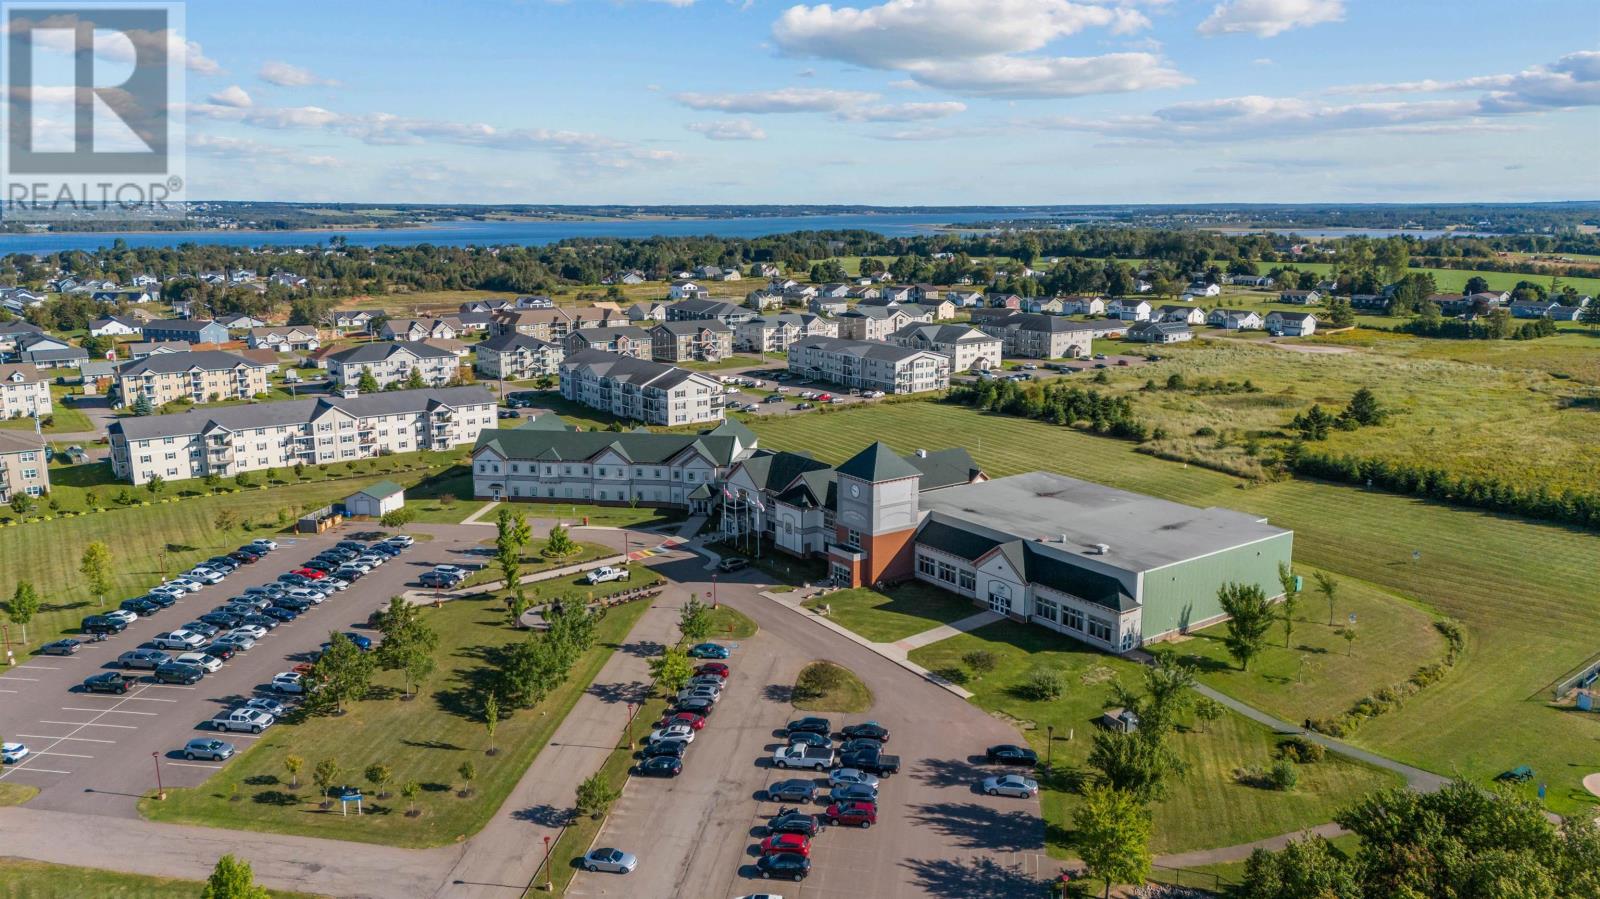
[{"x": 898, "y": 102}]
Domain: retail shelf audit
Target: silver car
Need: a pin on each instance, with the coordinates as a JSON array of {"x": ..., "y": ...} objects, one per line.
[
  {"x": 1011, "y": 785},
  {"x": 614, "y": 861}
]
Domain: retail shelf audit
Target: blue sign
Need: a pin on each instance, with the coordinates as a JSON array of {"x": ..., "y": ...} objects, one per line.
[{"x": 350, "y": 796}]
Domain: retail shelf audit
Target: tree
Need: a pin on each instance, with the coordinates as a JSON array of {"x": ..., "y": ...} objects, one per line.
[
  {"x": 409, "y": 792},
  {"x": 293, "y": 764},
  {"x": 21, "y": 503},
  {"x": 469, "y": 773},
  {"x": 1291, "y": 599},
  {"x": 1328, "y": 587},
  {"x": 1349, "y": 634},
  {"x": 414, "y": 379},
  {"x": 694, "y": 620},
  {"x": 95, "y": 566},
  {"x": 1113, "y": 836},
  {"x": 1044, "y": 684},
  {"x": 981, "y": 661},
  {"x": 1208, "y": 710},
  {"x": 233, "y": 879},
  {"x": 1313, "y": 424},
  {"x": 367, "y": 383},
  {"x": 142, "y": 405},
  {"x": 417, "y": 668},
  {"x": 379, "y": 776},
  {"x": 672, "y": 670},
  {"x": 1168, "y": 692},
  {"x": 595, "y": 795},
  {"x": 155, "y": 484},
  {"x": 531, "y": 669},
  {"x": 1590, "y": 314},
  {"x": 23, "y": 606},
  {"x": 512, "y": 536},
  {"x": 341, "y": 674},
  {"x": 1475, "y": 284},
  {"x": 1137, "y": 763},
  {"x": 1307, "y": 867},
  {"x": 408, "y": 642},
  {"x": 1364, "y": 409},
  {"x": 1249, "y": 617},
  {"x": 559, "y": 543},
  {"x": 491, "y": 716},
  {"x": 326, "y": 774},
  {"x": 227, "y": 519},
  {"x": 1339, "y": 313}
]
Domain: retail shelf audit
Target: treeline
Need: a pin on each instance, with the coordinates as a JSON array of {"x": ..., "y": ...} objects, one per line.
[
  {"x": 1570, "y": 506},
  {"x": 1056, "y": 403},
  {"x": 1497, "y": 325}
]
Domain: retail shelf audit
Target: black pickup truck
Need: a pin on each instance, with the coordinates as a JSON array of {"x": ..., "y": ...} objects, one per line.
[
  {"x": 110, "y": 682},
  {"x": 872, "y": 761}
]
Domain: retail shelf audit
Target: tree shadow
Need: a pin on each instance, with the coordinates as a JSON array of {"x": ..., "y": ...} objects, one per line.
[
  {"x": 976, "y": 878},
  {"x": 634, "y": 692},
  {"x": 975, "y": 826},
  {"x": 262, "y": 780},
  {"x": 948, "y": 772},
  {"x": 281, "y": 798},
  {"x": 778, "y": 692},
  {"x": 546, "y": 815},
  {"x": 433, "y": 744},
  {"x": 644, "y": 649},
  {"x": 436, "y": 787}
]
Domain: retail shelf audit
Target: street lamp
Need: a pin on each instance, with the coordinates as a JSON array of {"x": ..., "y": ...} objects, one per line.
[
  {"x": 713, "y": 591},
  {"x": 1050, "y": 744},
  {"x": 161, "y": 792},
  {"x": 546, "y": 864}
]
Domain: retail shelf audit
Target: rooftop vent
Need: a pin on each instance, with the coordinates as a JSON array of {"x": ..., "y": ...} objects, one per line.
[
  {"x": 922, "y": 454},
  {"x": 1100, "y": 549},
  {"x": 349, "y": 393}
]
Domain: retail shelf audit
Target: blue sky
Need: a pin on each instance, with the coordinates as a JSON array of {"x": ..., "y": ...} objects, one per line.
[{"x": 895, "y": 101}]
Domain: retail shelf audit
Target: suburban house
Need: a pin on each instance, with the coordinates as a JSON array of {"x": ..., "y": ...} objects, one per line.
[
  {"x": 1371, "y": 302},
  {"x": 284, "y": 339},
  {"x": 624, "y": 340},
  {"x": 1564, "y": 313},
  {"x": 239, "y": 321},
  {"x": 1202, "y": 289},
  {"x": 1129, "y": 310},
  {"x": 820, "y": 306},
  {"x": 188, "y": 330},
  {"x": 289, "y": 280},
  {"x": 46, "y": 351},
  {"x": 204, "y": 376},
  {"x": 1159, "y": 332},
  {"x": 687, "y": 290},
  {"x": 23, "y": 467},
  {"x": 640, "y": 390},
  {"x": 24, "y": 392},
  {"x": 833, "y": 291},
  {"x": 19, "y": 299},
  {"x": 894, "y": 294},
  {"x": 1083, "y": 306},
  {"x": 115, "y": 326},
  {"x": 1004, "y": 301},
  {"x": 968, "y": 348},
  {"x": 229, "y": 440},
  {"x": 598, "y": 317},
  {"x": 489, "y": 306},
  {"x": 419, "y": 329},
  {"x": 1189, "y": 315},
  {"x": 1300, "y": 297},
  {"x": 630, "y": 277},
  {"x": 1234, "y": 320},
  {"x": 703, "y": 340},
  {"x": 1291, "y": 324},
  {"x": 392, "y": 363},
  {"x": 517, "y": 357},
  {"x": 116, "y": 297},
  {"x": 647, "y": 312},
  {"x": 709, "y": 310},
  {"x": 1250, "y": 280},
  {"x": 12, "y": 331},
  {"x": 475, "y": 322},
  {"x": 356, "y": 319},
  {"x": 549, "y": 325},
  {"x": 535, "y": 302},
  {"x": 761, "y": 300},
  {"x": 545, "y": 460},
  {"x": 869, "y": 365},
  {"x": 146, "y": 348},
  {"x": 1040, "y": 336},
  {"x": 964, "y": 299}
]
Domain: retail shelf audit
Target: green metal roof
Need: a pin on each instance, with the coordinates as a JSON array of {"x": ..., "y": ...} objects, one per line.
[
  {"x": 382, "y": 489},
  {"x": 572, "y": 446},
  {"x": 877, "y": 463}
]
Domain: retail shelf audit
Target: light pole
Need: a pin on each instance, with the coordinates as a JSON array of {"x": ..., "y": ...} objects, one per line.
[
  {"x": 713, "y": 591},
  {"x": 1050, "y": 744},
  {"x": 161, "y": 793},
  {"x": 630, "y": 724},
  {"x": 546, "y": 864}
]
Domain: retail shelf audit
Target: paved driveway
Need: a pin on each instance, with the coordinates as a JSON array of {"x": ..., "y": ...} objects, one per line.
[{"x": 936, "y": 835}]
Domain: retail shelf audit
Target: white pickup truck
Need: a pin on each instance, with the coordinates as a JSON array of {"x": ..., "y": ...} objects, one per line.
[
  {"x": 252, "y": 720},
  {"x": 607, "y": 573},
  {"x": 801, "y": 756}
]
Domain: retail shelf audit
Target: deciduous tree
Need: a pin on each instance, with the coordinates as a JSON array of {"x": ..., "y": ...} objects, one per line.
[
  {"x": 1249, "y": 618},
  {"x": 95, "y": 566},
  {"x": 672, "y": 670},
  {"x": 23, "y": 606},
  {"x": 1113, "y": 836},
  {"x": 1291, "y": 600},
  {"x": 233, "y": 879},
  {"x": 694, "y": 620},
  {"x": 1329, "y": 588}
]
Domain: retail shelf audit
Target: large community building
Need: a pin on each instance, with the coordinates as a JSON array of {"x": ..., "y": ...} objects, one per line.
[{"x": 232, "y": 439}]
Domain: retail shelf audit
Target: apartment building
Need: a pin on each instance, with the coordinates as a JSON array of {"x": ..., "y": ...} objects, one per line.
[
  {"x": 392, "y": 363},
  {"x": 549, "y": 325},
  {"x": 284, "y": 339},
  {"x": 206, "y": 376},
  {"x": 702, "y": 340},
  {"x": 625, "y": 340},
  {"x": 878, "y": 322},
  {"x": 968, "y": 348},
  {"x": 869, "y": 365},
  {"x": 640, "y": 390},
  {"x": 517, "y": 357},
  {"x": 23, "y": 467},
  {"x": 1039, "y": 336},
  {"x": 701, "y": 309},
  {"x": 229, "y": 440},
  {"x": 24, "y": 392},
  {"x": 188, "y": 330}
]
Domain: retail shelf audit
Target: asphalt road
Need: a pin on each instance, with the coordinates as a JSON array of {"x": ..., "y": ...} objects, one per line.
[
  {"x": 699, "y": 834},
  {"x": 92, "y": 752}
]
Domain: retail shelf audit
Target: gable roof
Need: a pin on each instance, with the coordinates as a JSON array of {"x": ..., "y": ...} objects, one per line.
[
  {"x": 377, "y": 352},
  {"x": 549, "y": 445},
  {"x": 298, "y": 412},
  {"x": 878, "y": 463},
  {"x": 207, "y": 360},
  {"x": 513, "y": 340},
  {"x": 381, "y": 490}
]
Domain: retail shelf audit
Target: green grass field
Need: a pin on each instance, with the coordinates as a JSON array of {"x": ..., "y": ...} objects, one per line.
[
  {"x": 36, "y": 880},
  {"x": 730, "y": 624},
  {"x": 1522, "y": 589},
  {"x": 884, "y": 617},
  {"x": 847, "y": 695},
  {"x": 15, "y": 793},
  {"x": 424, "y": 740}
]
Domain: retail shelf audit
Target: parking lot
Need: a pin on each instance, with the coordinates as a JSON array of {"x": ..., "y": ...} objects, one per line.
[
  {"x": 936, "y": 833},
  {"x": 99, "y": 753}
]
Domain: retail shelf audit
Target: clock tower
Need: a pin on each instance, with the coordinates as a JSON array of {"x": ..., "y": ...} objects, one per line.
[{"x": 875, "y": 516}]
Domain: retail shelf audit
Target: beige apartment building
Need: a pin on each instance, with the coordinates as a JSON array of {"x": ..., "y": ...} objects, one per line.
[
  {"x": 392, "y": 363},
  {"x": 869, "y": 365},
  {"x": 24, "y": 392},
  {"x": 641, "y": 390},
  {"x": 201, "y": 377},
  {"x": 22, "y": 465}
]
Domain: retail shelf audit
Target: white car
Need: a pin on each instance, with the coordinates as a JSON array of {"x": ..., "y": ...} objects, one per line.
[
  {"x": 11, "y": 753},
  {"x": 334, "y": 583},
  {"x": 263, "y": 544},
  {"x": 172, "y": 590},
  {"x": 372, "y": 560},
  {"x": 451, "y": 570},
  {"x": 240, "y": 641},
  {"x": 606, "y": 573},
  {"x": 288, "y": 682},
  {"x": 845, "y": 776},
  {"x": 206, "y": 663},
  {"x": 123, "y": 615},
  {"x": 681, "y": 733},
  {"x": 314, "y": 597},
  {"x": 205, "y": 575},
  {"x": 271, "y": 706},
  {"x": 401, "y": 540},
  {"x": 179, "y": 639},
  {"x": 253, "y": 631},
  {"x": 185, "y": 584},
  {"x": 360, "y": 565},
  {"x": 1011, "y": 785}
]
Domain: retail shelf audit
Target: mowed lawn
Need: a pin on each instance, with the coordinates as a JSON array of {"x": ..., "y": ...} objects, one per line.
[
  {"x": 426, "y": 740},
  {"x": 37, "y": 880},
  {"x": 1208, "y": 807},
  {"x": 893, "y": 614},
  {"x": 1523, "y": 590}
]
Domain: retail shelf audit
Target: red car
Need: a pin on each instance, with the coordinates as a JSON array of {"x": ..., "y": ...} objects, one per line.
[
  {"x": 856, "y": 814},
  {"x": 786, "y": 842},
  {"x": 311, "y": 573},
  {"x": 825, "y": 398},
  {"x": 695, "y": 722},
  {"x": 717, "y": 668}
]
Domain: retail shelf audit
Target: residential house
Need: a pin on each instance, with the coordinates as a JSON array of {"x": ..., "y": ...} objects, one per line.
[
  {"x": 472, "y": 322},
  {"x": 115, "y": 326},
  {"x": 1129, "y": 309},
  {"x": 18, "y": 300},
  {"x": 624, "y": 340},
  {"x": 550, "y": 325},
  {"x": 1300, "y": 297},
  {"x": 964, "y": 299},
  {"x": 231, "y": 440},
  {"x": 205, "y": 376},
  {"x": 969, "y": 349},
  {"x": 1250, "y": 280},
  {"x": 356, "y": 319},
  {"x": 630, "y": 277},
  {"x": 1234, "y": 320},
  {"x": 187, "y": 330},
  {"x": 490, "y": 306},
  {"x": 1291, "y": 324},
  {"x": 12, "y": 331},
  {"x": 1565, "y": 314},
  {"x": 45, "y": 351},
  {"x": 875, "y": 322},
  {"x": 1371, "y": 302},
  {"x": 709, "y": 310},
  {"x": 896, "y": 294},
  {"x": 116, "y": 297},
  {"x": 833, "y": 291},
  {"x": 392, "y": 363},
  {"x": 687, "y": 290},
  {"x": 24, "y": 468},
  {"x": 869, "y": 365},
  {"x": 1189, "y": 315},
  {"x": 819, "y": 306},
  {"x": 24, "y": 392},
  {"x": 1083, "y": 306},
  {"x": 239, "y": 321},
  {"x": 535, "y": 302},
  {"x": 706, "y": 340},
  {"x": 1039, "y": 336},
  {"x": 926, "y": 294},
  {"x": 598, "y": 317},
  {"x": 1159, "y": 332},
  {"x": 517, "y": 357},
  {"x": 641, "y": 390},
  {"x": 647, "y": 312},
  {"x": 419, "y": 329},
  {"x": 289, "y": 280},
  {"x": 864, "y": 292},
  {"x": 146, "y": 348},
  {"x": 1203, "y": 289},
  {"x": 1004, "y": 301},
  {"x": 284, "y": 339},
  {"x": 768, "y": 334},
  {"x": 1044, "y": 305},
  {"x": 761, "y": 300}
]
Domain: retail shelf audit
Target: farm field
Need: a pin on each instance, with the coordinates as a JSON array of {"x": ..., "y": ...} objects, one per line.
[{"x": 1521, "y": 589}]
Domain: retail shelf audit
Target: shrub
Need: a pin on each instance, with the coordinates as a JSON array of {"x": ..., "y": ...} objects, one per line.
[
  {"x": 981, "y": 661},
  {"x": 1283, "y": 775},
  {"x": 1044, "y": 684},
  {"x": 1300, "y": 750},
  {"x": 398, "y": 518},
  {"x": 818, "y": 680}
]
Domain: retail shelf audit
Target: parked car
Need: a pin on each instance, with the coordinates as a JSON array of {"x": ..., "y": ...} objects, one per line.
[
  {"x": 1008, "y": 754},
  {"x": 223, "y": 651},
  {"x": 845, "y": 793},
  {"x": 674, "y": 748},
  {"x": 64, "y": 647},
  {"x": 280, "y": 613},
  {"x": 209, "y": 749},
  {"x": 245, "y": 556},
  {"x": 698, "y": 705},
  {"x": 686, "y": 718},
  {"x": 800, "y": 844},
  {"x": 1011, "y": 785},
  {"x": 606, "y": 573},
  {"x": 206, "y": 663},
  {"x": 661, "y": 766},
  {"x": 109, "y": 682},
  {"x": 312, "y": 573},
  {"x": 870, "y": 760},
  {"x": 868, "y": 730},
  {"x": 253, "y": 631},
  {"x": 288, "y": 682},
  {"x": 855, "y": 814},
  {"x": 238, "y": 640},
  {"x": 266, "y": 704},
  {"x": 204, "y": 629},
  {"x": 718, "y": 668},
  {"x": 143, "y": 658},
  {"x": 140, "y": 606},
  {"x": 102, "y": 624},
  {"x": 175, "y": 673},
  {"x": 362, "y": 642},
  {"x": 789, "y": 820},
  {"x": 732, "y": 563},
  {"x": 402, "y": 540},
  {"x": 263, "y": 544},
  {"x": 186, "y": 584},
  {"x": 252, "y": 720},
  {"x": 810, "y": 724},
  {"x": 306, "y": 594},
  {"x": 792, "y": 790},
  {"x": 293, "y": 603},
  {"x": 682, "y": 732},
  {"x": 806, "y": 738},
  {"x": 11, "y": 753},
  {"x": 800, "y": 756},
  {"x": 708, "y": 651},
  {"x": 224, "y": 620},
  {"x": 801, "y": 407},
  {"x": 614, "y": 861},
  {"x": 123, "y": 615},
  {"x": 841, "y": 776},
  {"x": 179, "y": 639},
  {"x": 205, "y": 575},
  {"x": 784, "y": 864}
]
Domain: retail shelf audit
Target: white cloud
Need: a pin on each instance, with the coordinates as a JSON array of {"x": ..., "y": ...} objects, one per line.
[
  {"x": 789, "y": 99},
  {"x": 240, "y": 149},
  {"x": 232, "y": 95},
  {"x": 1269, "y": 18},
  {"x": 55, "y": 34},
  {"x": 286, "y": 75},
  {"x": 1571, "y": 81},
  {"x": 728, "y": 129},
  {"x": 973, "y": 46},
  {"x": 902, "y": 112}
]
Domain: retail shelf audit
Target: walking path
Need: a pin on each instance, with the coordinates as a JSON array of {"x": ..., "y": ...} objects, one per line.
[
  {"x": 946, "y": 631},
  {"x": 1239, "y": 853}
]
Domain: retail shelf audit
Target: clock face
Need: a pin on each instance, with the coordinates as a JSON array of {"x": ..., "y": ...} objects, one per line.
[{"x": 855, "y": 489}]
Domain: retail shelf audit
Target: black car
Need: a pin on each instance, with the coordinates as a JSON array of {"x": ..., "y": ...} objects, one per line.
[
  {"x": 223, "y": 564},
  {"x": 355, "y": 546},
  {"x": 260, "y": 620},
  {"x": 109, "y": 682},
  {"x": 244, "y": 556},
  {"x": 808, "y": 738},
  {"x": 666, "y": 748},
  {"x": 326, "y": 566},
  {"x": 796, "y": 790},
  {"x": 701, "y": 707},
  {"x": 179, "y": 673},
  {"x": 784, "y": 864},
  {"x": 162, "y": 600},
  {"x": 867, "y": 730},
  {"x": 1007, "y": 754},
  {"x": 221, "y": 651},
  {"x": 60, "y": 647},
  {"x": 872, "y": 761},
  {"x": 790, "y": 820},
  {"x": 388, "y": 550},
  {"x": 292, "y": 603},
  {"x": 222, "y": 620},
  {"x": 521, "y": 399},
  {"x": 661, "y": 766},
  {"x": 140, "y": 606},
  {"x": 100, "y": 624},
  {"x": 860, "y": 744},
  {"x": 202, "y": 628},
  {"x": 279, "y": 613},
  {"x": 298, "y": 580},
  {"x": 810, "y": 726}
]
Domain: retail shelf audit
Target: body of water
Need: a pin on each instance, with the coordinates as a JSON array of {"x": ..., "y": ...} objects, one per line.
[
  {"x": 1420, "y": 234},
  {"x": 499, "y": 233}
]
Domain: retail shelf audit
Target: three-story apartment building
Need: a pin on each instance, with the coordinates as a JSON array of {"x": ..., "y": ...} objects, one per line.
[
  {"x": 1039, "y": 336},
  {"x": 968, "y": 348},
  {"x": 869, "y": 365},
  {"x": 698, "y": 340},
  {"x": 392, "y": 363},
  {"x": 517, "y": 357},
  {"x": 206, "y": 376},
  {"x": 24, "y": 392},
  {"x": 23, "y": 468},
  {"x": 640, "y": 390}
]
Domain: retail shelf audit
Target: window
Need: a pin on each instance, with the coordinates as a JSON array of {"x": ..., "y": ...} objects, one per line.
[
  {"x": 968, "y": 580},
  {"x": 925, "y": 565},
  {"x": 30, "y": 473},
  {"x": 1100, "y": 629},
  {"x": 947, "y": 572},
  {"x": 1045, "y": 608},
  {"x": 1072, "y": 618}
]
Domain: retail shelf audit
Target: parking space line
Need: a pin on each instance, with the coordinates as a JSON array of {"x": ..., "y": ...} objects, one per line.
[
  {"x": 73, "y": 739},
  {"x": 142, "y": 699},
  {"x": 70, "y": 755},
  {"x": 29, "y": 769},
  {"x": 32, "y": 667},
  {"x": 167, "y": 687},
  {"x": 193, "y": 765},
  {"x": 31, "y": 680},
  {"x": 71, "y": 708},
  {"x": 91, "y": 723},
  {"x": 10, "y": 691}
]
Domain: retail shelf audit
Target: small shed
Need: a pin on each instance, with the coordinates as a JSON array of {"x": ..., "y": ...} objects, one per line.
[
  {"x": 375, "y": 501},
  {"x": 1120, "y": 719}
]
